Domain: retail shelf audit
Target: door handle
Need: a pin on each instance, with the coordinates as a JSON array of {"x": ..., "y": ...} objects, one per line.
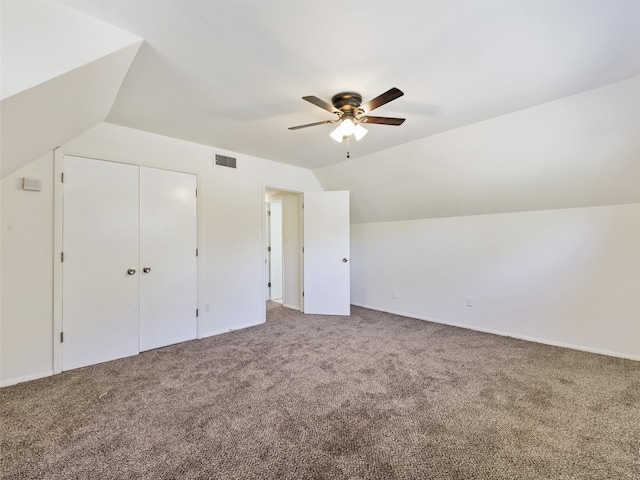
[
  {"x": 344, "y": 260},
  {"x": 131, "y": 271},
  {"x": 146, "y": 269}
]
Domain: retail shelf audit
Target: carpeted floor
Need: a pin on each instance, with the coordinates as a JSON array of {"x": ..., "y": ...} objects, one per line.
[{"x": 371, "y": 396}]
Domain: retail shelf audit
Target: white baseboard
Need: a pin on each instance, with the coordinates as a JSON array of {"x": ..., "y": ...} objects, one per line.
[
  {"x": 35, "y": 376},
  {"x": 508, "y": 334},
  {"x": 227, "y": 330}
]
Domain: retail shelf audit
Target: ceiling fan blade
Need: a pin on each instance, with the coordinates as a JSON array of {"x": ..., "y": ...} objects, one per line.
[
  {"x": 320, "y": 103},
  {"x": 312, "y": 124},
  {"x": 382, "y": 120},
  {"x": 380, "y": 100}
]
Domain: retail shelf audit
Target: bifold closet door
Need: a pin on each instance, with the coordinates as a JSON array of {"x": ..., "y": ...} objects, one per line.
[
  {"x": 168, "y": 242},
  {"x": 100, "y": 268}
]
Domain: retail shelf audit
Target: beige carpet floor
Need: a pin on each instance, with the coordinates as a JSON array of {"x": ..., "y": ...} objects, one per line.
[{"x": 370, "y": 396}]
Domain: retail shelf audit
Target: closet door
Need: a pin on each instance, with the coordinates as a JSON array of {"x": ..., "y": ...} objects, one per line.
[
  {"x": 100, "y": 268},
  {"x": 168, "y": 242}
]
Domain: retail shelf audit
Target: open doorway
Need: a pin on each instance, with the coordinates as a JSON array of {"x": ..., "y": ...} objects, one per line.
[
  {"x": 283, "y": 248},
  {"x": 274, "y": 249}
]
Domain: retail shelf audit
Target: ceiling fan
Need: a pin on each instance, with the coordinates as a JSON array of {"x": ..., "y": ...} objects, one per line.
[{"x": 352, "y": 113}]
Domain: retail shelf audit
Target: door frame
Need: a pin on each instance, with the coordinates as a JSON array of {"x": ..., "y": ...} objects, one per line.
[{"x": 269, "y": 188}]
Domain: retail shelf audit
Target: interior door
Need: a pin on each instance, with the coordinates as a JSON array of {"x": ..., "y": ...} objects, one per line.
[
  {"x": 100, "y": 268},
  {"x": 267, "y": 249},
  {"x": 327, "y": 273},
  {"x": 275, "y": 243},
  {"x": 168, "y": 264}
]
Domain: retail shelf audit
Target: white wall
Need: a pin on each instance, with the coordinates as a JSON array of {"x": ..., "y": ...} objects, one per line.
[
  {"x": 26, "y": 325},
  {"x": 535, "y": 214},
  {"x": 568, "y": 277},
  {"x": 230, "y": 238}
]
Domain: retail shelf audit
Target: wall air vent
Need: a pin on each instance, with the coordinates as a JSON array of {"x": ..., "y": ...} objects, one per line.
[{"x": 224, "y": 161}]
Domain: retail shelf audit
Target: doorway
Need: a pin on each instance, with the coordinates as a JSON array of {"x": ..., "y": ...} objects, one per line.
[
  {"x": 274, "y": 249},
  {"x": 283, "y": 237},
  {"x": 315, "y": 265}
]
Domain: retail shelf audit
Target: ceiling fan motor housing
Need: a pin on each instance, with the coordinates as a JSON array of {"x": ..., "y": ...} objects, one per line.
[{"x": 347, "y": 102}]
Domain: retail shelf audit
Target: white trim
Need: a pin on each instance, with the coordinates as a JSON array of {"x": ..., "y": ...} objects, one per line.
[
  {"x": 58, "y": 210},
  {"x": 509, "y": 334},
  {"x": 227, "y": 330},
  {"x": 28, "y": 378}
]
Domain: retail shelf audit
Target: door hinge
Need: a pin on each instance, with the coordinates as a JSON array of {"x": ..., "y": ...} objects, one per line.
[
  {"x": 303, "y": 293},
  {"x": 196, "y": 312},
  {"x": 62, "y": 177},
  {"x": 61, "y": 257},
  {"x": 196, "y": 192},
  {"x": 269, "y": 212},
  {"x": 302, "y": 249},
  {"x": 61, "y": 337},
  {"x": 196, "y": 252},
  {"x": 269, "y": 284},
  {"x": 268, "y": 249}
]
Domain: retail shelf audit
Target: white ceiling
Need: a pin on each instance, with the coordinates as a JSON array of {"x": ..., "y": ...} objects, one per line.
[
  {"x": 52, "y": 86},
  {"x": 231, "y": 74}
]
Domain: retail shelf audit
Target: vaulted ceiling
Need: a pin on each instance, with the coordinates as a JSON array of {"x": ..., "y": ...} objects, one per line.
[
  {"x": 231, "y": 74},
  {"x": 61, "y": 72},
  {"x": 510, "y": 105}
]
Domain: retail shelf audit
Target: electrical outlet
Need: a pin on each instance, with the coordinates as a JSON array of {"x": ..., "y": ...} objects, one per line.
[
  {"x": 394, "y": 294},
  {"x": 207, "y": 307},
  {"x": 470, "y": 301}
]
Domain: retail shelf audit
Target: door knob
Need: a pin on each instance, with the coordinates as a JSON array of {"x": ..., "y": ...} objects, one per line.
[
  {"x": 131, "y": 271},
  {"x": 344, "y": 260},
  {"x": 146, "y": 269}
]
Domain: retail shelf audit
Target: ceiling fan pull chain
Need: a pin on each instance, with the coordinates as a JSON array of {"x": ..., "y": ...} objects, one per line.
[{"x": 348, "y": 148}]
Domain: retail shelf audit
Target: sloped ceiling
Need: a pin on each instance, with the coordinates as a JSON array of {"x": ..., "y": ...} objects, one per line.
[
  {"x": 510, "y": 106},
  {"x": 578, "y": 151},
  {"x": 231, "y": 74},
  {"x": 61, "y": 71}
]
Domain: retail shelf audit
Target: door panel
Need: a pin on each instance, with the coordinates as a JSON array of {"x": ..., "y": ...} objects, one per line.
[
  {"x": 275, "y": 263},
  {"x": 168, "y": 242},
  {"x": 100, "y": 238},
  {"x": 327, "y": 253}
]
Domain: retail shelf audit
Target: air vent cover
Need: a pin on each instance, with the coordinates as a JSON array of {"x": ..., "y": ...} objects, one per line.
[{"x": 224, "y": 161}]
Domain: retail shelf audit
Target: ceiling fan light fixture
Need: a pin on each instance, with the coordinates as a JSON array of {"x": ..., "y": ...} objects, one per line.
[
  {"x": 348, "y": 127},
  {"x": 350, "y": 110},
  {"x": 359, "y": 131},
  {"x": 337, "y": 134}
]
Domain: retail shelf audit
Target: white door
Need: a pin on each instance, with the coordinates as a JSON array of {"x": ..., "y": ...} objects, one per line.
[
  {"x": 100, "y": 268},
  {"x": 327, "y": 253},
  {"x": 267, "y": 249},
  {"x": 168, "y": 268},
  {"x": 275, "y": 243}
]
